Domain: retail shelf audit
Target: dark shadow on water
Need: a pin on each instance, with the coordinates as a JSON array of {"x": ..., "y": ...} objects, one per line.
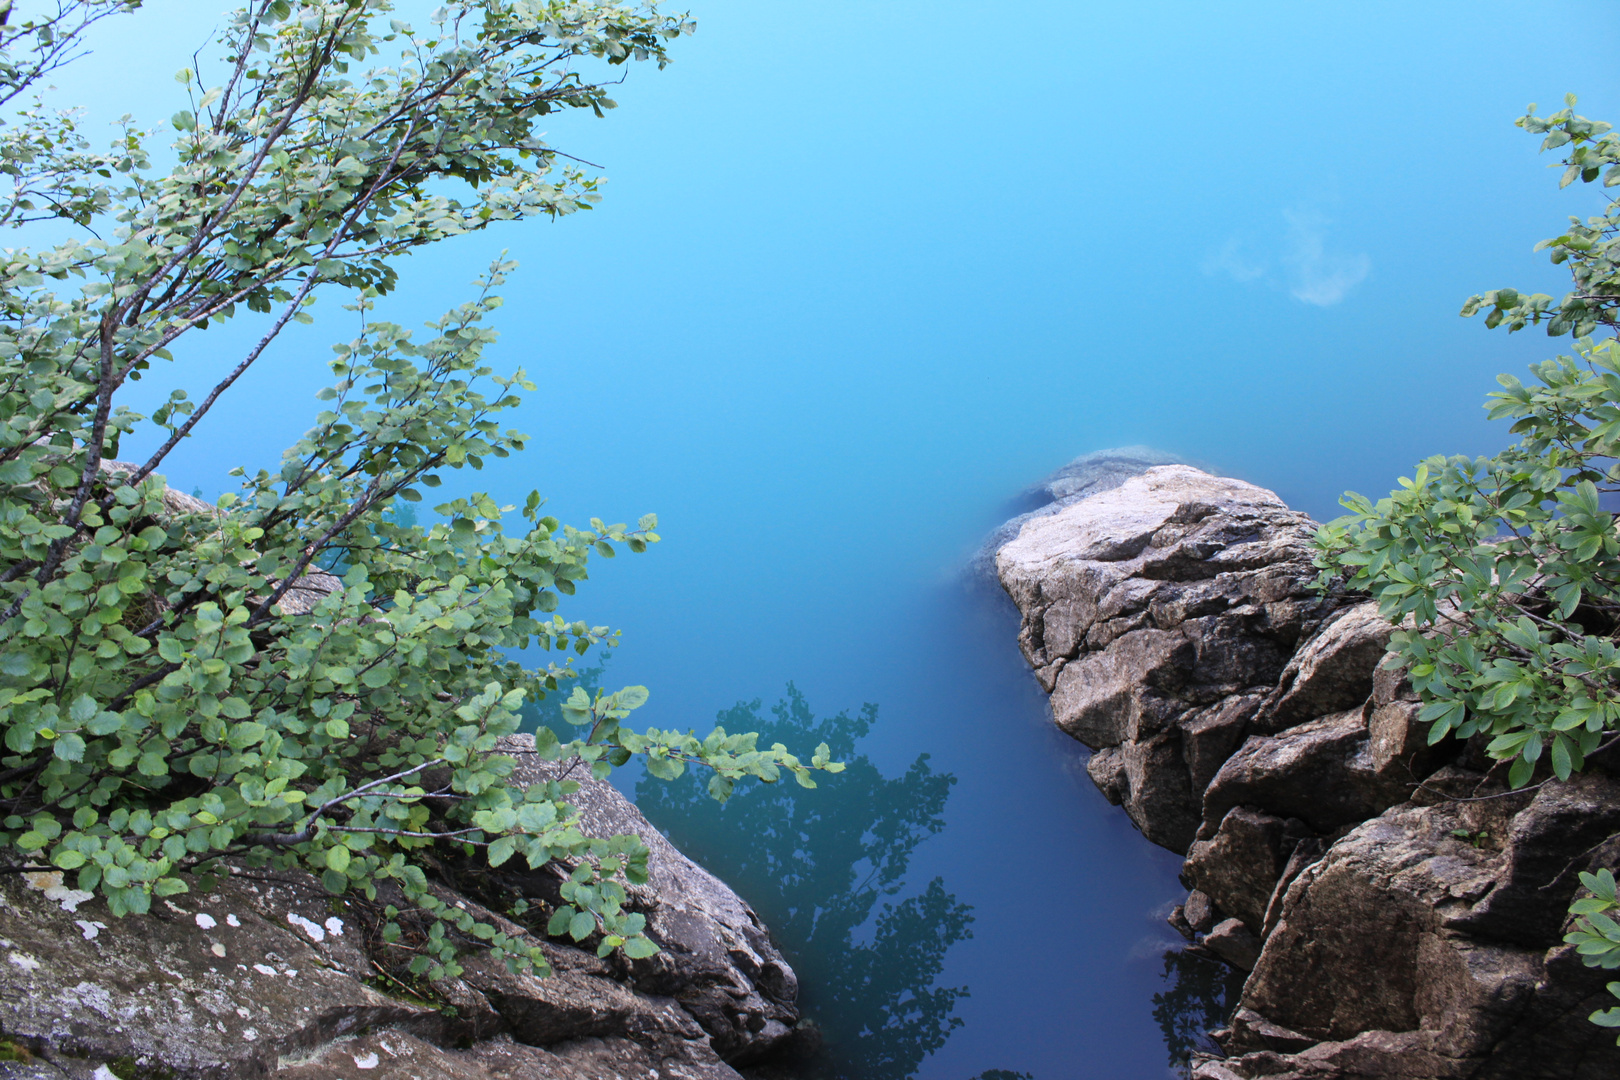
[
  {"x": 826, "y": 870},
  {"x": 1199, "y": 996}
]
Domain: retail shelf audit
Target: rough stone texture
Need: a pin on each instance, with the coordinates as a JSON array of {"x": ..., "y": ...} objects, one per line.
[
  {"x": 1386, "y": 949},
  {"x": 395, "y": 1055},
  {"x": 1321, "y": 772},
  {"x": 1234, "y": 943},
  {"x": 1331, "y": 672},
  {"x": 1159, "y": 614},
  {"x": 1081, "y": 478},
  {"x": 202, "y": 986},
  {"x": 1239, "y": 868},
  {"x": 1393, "y": 930},
  {"x": 1200, "y": 911},
  {"x": 718, "y": 960},
  {"x": 260, "y": 977}
]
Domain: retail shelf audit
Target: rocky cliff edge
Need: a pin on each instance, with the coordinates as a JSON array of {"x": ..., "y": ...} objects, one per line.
[{"x": 1400, "y": 913}]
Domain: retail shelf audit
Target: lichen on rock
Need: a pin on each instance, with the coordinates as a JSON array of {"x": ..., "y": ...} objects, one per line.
[{"x": 269, "y": 974}]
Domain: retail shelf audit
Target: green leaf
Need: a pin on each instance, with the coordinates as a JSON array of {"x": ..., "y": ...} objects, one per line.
[
  {"x": 67, "y": 859},
  {"x": 69, "y": 747},
  {"x": 337, "y": 858},
  {"x": 581, "y": 926},
  {"x": 639, "y": 948}
]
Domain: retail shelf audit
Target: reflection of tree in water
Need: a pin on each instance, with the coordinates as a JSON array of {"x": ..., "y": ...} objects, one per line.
[
  {"x": 820, "y": 867},
  {"x": 1200, "y": 996}
]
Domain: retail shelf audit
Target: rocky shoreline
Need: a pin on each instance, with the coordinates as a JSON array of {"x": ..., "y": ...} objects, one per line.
[
  {"x": 271, "y": 974},
  {"x": 1400, "y": 912}
]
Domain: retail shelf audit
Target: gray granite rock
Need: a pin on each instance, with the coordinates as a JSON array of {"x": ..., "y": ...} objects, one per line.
[
  {"x": 265, "y": 976},
  {"x": 1398, "y": 924},
  {"x": 1086, "y": 475},
  {"x": 717, "y": 956},
  {"x": 1160, "y": 614}
]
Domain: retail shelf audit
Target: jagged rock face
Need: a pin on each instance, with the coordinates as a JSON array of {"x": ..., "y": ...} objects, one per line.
[
  {"x": 1396, "y": 924},
  {"x": 1238, "y": 868},
  {"x": 1393, "y": 957},
  {"x": 1160, "y": 615},
  {"x": 265, "y": 976},
  {"x": 718, "y": 959}
]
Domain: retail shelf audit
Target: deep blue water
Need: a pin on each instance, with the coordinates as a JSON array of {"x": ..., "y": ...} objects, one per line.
[
  {"x": 1064, "y": 902},
  {"x": 864, "y": 271}
]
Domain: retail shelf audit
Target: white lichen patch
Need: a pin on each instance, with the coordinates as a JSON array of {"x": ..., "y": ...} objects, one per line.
[
  {"x": 90, "y": 995},
  {"x": 24, "y": 961},
  {"x": 89, "y": 929},
  {"x": 205, "y": 920},
  {"x": 68, "y": 899},
  {"x": 291, "y": 973},
  {"x": 334, "y": 926},
  {"x": 103, "y": 1073},
  {"x": 250, "y": 1034},
  {"x": 264, "y": 969},
  {"x": 232, "y": 920},
  {"x": 49, "y": 882},
  {"x": 365, "y": 1061},
  {"x": 217, "y": 949},
  {"x": 308, "y": 926}
]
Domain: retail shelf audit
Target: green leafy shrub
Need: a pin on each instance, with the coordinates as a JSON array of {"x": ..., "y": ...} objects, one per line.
[
  {"x": 1597, "y": 937},
  {"x": 181, "y": 684},
  {"x": 1503, "y": 572}
]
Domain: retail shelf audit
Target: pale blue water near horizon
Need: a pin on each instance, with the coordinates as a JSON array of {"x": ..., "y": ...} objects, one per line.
[{"x": 866, "y": 270}]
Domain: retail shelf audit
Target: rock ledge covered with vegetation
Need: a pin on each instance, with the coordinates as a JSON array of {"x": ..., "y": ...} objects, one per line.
[{"x": 269, "y": 973}]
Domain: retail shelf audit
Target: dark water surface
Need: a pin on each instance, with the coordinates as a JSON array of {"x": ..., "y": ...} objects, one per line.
[
  {"x": 1062, "y": 900},
  {"x": 961, "y": 899}
]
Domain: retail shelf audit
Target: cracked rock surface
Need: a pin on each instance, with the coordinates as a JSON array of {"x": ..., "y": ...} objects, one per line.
[{"x": 1395, "y": 924}]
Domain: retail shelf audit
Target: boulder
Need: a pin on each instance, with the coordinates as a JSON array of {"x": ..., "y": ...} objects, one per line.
[
  {"x": 1160, "y": 614},
  {"x": 1238, "y": 869},
  {"x": 217, "y": 985},
  {"x": 397, "y": 1055},
  {"x": 1379, "y": 953},
  {"x": 1200, "y": 911},
  {"x": 268, "y": 972},
  {"x": 1085, "y": 476},
  {"x": 1544, "y": 847},
  {"x": 1235, "y": 943},
  {"x": 1361, "y": 931},
  {"x": 1321, "y": 772},
  {"x": 1331, "y": 672},
  {"x": 717, "y": 956}
]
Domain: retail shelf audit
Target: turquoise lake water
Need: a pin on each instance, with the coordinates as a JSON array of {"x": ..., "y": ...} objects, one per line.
[{"x": 864, "y": 271}]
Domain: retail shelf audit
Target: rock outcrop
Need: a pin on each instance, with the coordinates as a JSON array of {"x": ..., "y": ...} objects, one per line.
[
  {"x": 269, "y": 974},
  {"x": 1160, "y": 616},
  {"x": 1081, "y": 478},
  {"x": 1401, "y": 914}
]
